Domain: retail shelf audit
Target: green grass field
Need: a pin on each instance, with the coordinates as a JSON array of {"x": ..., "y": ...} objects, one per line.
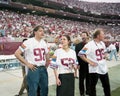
[
  {"x": 114, "y": 74},
  {"x": 52, "y": 89},
  {"x": 116, "y": 92}
]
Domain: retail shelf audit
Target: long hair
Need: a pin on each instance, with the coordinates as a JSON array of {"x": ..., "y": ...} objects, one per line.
[{"x": 68, "y": 38}]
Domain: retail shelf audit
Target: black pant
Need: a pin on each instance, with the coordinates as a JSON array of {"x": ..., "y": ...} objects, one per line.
[
  {"x": 105, "y": 83},
  {"x": 67, "y": 85},
  {"x": 38, "y": 91},
  {"x": 84, "y": 77},
  {"x": 117, "y": 48}
]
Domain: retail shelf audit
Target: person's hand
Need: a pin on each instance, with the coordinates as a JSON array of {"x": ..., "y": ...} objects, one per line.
[
  {"x": 75, "y": 75},
  {"x": 78, "y": 67},
  {"x": 93, "y": 63},
  {"x": 46, "y": 65},
  {"x": 58, "y": 82},
  {"x": 32, "y": 67}
]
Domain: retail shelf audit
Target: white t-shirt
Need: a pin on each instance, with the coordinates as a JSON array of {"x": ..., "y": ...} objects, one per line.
[
  {"x": 112, "y": 47},
  {"x": 65, "y": 60},
  {"x": 96, "y": 53},
  {"x": 35, "y": 51}
]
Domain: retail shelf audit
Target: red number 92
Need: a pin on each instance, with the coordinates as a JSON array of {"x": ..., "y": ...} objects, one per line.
[{"x": 39, "y": 54}]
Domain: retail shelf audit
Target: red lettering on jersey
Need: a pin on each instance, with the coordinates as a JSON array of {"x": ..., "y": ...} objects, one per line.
[
  {"x": 39, "y": 53},
  {"x": 99, "y": 53},
  {"x": 67, "y": 61},
  {"x": 64, "y": 61}
]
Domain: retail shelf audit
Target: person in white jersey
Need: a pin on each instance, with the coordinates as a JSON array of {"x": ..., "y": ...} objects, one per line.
[
  {"x": 36, "y": 59},
  {"x": 113, "y": 51},
  {"x": 64, "y": 73},
  {"x": 94, "y": 53}
]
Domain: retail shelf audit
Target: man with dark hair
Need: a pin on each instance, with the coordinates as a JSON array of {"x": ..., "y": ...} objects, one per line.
[
  {"x": 94, "y": 54},
  {"x": 36, "y": 59},
  {"x": 83, "y": 70}
]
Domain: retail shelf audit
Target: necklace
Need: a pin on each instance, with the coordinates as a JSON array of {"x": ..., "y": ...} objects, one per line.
[{"x": 97, "y": 45}]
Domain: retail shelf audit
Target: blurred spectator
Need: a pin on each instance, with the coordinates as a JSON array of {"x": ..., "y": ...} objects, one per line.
[
  {"x": 117, "y": 46},
  {"x": 113, "y": 50},
  {"x": 19, "y": 25},
  {"x": 96, "y": 8}
]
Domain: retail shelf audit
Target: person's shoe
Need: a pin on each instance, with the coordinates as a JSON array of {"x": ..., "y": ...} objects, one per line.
[
  {"x": 82, "y": 95},
  {"x": 17, "y": 95},
  {"x": 87, "y": 93},
  {"x": 76, "y": 77}
]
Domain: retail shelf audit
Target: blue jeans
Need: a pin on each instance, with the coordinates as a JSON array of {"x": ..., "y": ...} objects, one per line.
[
  {"x": 36, "y": 78},
  {"x": 113, "y": 52}
]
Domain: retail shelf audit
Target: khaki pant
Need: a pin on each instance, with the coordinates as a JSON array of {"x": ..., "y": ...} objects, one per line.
[{"x": 24, "y": 83}]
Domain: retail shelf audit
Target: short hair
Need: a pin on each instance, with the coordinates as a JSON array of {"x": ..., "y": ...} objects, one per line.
[
  {"x": 96, "y": 33},
  {"x": 36, "y": 29},
  {"x": 85, "y": 33},
  {"x": 24, "y": 39}
]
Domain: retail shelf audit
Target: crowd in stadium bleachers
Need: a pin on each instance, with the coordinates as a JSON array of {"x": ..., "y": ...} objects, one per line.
[
  {"x": 96, "y": 8},
  {"x": 16, "y": 24}
]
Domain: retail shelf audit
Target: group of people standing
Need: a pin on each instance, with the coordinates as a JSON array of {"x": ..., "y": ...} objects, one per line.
[{"x": 88, "y": 57}]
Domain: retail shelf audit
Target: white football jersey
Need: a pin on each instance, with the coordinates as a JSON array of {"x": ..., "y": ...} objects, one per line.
[
  {"x": 96, "y": 53},
  {"x": 35, "y": 51},
  {"x": 65, "y": 60}
]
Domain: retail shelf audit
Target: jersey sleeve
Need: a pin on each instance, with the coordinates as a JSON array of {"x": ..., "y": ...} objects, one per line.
[
  {"x": 53, "y": 63},
  {"x": 24, "y": 46},
  {"x": 85, "y": 50}
]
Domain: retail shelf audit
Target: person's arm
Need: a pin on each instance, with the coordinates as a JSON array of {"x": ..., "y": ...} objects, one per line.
[
  {"x": 85, "y": 51},
  {"x": 58, "y": 82},
  {"x": 75, "y": 71},
  {"x": 78, "y": 58},
  {"x": 77, "y": 49},
  {"x": 47, "y": 60},
  {"x": 83, "y": 57},
  {"x": 18, "y": 55},
  {"x": 55, "y": 69}
]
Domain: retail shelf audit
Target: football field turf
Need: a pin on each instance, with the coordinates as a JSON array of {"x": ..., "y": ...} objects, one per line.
[
  {"x": 116, "y": 92},
  {"x": 11, "y": 82},
  {"x": 114, "y": 75}
]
